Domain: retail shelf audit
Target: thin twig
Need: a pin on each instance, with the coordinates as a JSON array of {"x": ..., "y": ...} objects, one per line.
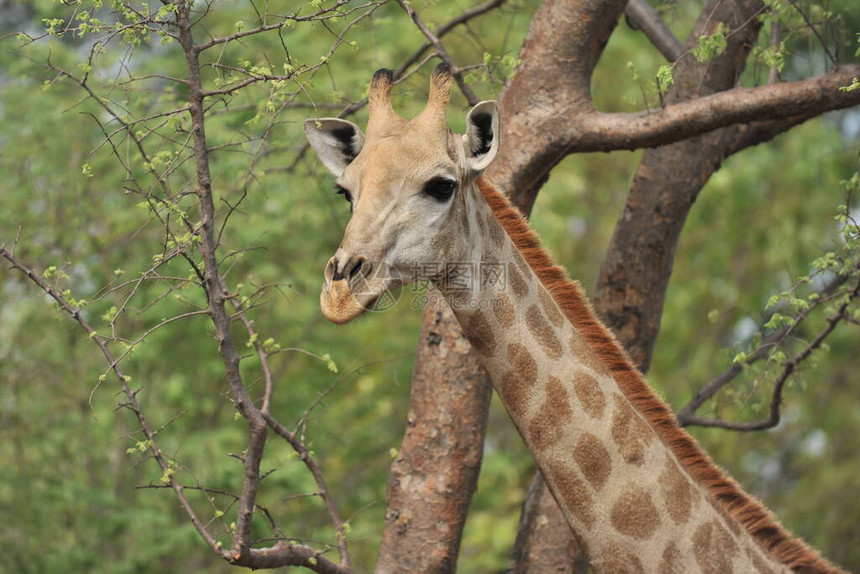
[
  {"x": 130, "y": 395},
  {"x": 469, "y": 14},
  {"x": 789, "y": 366},
  {"x": 764, "y": 350},
  {"x": 456, "y": 71},
  {"x": 815, "y": 31}
]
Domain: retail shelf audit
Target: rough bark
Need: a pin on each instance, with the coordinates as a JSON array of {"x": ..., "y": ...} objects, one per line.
[
  {"x": 550, "y": 88},
  {"x": 543, "y": 544},
  {"x": 595, "y": 131}
]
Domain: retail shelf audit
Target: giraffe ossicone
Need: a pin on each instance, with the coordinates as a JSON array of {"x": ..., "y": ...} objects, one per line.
[{"x": 639, "y": 493}]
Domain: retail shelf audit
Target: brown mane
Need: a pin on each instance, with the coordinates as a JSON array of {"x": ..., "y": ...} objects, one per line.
[{"x": 748, "y": 511}]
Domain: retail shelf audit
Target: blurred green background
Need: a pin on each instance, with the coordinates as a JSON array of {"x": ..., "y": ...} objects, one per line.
[{"x": 69, "y": 500}]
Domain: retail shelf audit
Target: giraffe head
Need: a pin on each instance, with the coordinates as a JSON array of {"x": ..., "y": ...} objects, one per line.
[{"x": 409, "y": 184}]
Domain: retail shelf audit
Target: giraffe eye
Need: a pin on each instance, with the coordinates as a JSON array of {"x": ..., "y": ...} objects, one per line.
[
  {"x": 440, "y": 188},
  {"x": 340, "y": 190}
]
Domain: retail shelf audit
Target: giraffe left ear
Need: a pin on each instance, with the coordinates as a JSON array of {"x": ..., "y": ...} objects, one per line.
[
  {"x": 336, "y": 142},
  {"x": 481, "y": 139}
]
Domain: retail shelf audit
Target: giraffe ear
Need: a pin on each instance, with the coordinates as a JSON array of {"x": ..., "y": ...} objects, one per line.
[
  {"x": 336, "y": 142},
  {"x": 481, "y": 139}
]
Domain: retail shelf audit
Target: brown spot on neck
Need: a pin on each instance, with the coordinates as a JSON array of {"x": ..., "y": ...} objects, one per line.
[
  {"x": 518, "y": 284},
  {"x": 634, "y": 513},
  {"x": 504, "y": 310},
  {"x": 759, "y": 564},
  {"x": 677, "y": 492},
  {"x": 481, "y": 333},
  {"x": 593, "y": 459},
  {"x": 522, "y": 362},
  {"x": 714, "y": 548},
  {"x": 572, "y": 490},
  {"x": 493, "y": 229},
  {"x": 586, "y": 355},
  {"x": 547, "y": 424},
  {"x": 589, "y": 394},
  {"x": 630, "y": 434},
  {"x": 671, "y": 561},
  {"x": 550, "y": 308},
  {"x": 617, "y": 559},
  {"x": 543, "y": 333},
  {"x": 515, "y": 393}
]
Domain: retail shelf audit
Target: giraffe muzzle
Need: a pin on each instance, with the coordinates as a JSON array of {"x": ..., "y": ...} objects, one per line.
[{"x": 354, "y": 287}]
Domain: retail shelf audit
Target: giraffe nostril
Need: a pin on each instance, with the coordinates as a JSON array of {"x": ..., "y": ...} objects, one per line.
[
  {"x": 356, "y": 268},
  {"x": 353, "y": 267},
  {"x": 336, "y": 274}
]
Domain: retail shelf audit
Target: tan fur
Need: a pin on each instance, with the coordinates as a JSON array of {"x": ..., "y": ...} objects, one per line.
[{"x": 435, "y": 113}]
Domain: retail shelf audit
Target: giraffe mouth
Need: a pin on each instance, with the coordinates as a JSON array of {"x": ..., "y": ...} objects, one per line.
[{"x": 340, "y": 304}]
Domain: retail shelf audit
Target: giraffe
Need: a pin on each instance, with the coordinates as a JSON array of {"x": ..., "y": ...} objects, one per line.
[{"x": 638, "y": 492}]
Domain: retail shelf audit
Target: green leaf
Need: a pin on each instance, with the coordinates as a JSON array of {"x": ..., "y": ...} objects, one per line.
[
  {"x": 665, "y": 77},
  {"x": 854, "y": 85},
  {"x": 709, "y": 46},
  {"x": 332, "y": 366}
]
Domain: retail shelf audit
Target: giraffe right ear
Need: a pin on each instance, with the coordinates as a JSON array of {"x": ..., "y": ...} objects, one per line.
[
  {"x": 336, "y": 141},
  {"x": 481, "y": 139}
]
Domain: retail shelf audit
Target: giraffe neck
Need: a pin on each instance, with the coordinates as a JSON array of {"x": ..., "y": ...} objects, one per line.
[{"x": 638, "y": 492}]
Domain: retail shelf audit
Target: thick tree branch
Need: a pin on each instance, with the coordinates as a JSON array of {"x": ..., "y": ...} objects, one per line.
[
  {"x": 551, "y": 87},
  {"x": 583, "y": 129},
  {"x": 553, "y": 98},
  {"x": 677, "y": 122}
]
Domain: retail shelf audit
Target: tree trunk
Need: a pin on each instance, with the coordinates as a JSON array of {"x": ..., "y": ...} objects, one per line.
[
  {"x": 435, "y": 473},
  {"x": 543, "y": 544}
]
